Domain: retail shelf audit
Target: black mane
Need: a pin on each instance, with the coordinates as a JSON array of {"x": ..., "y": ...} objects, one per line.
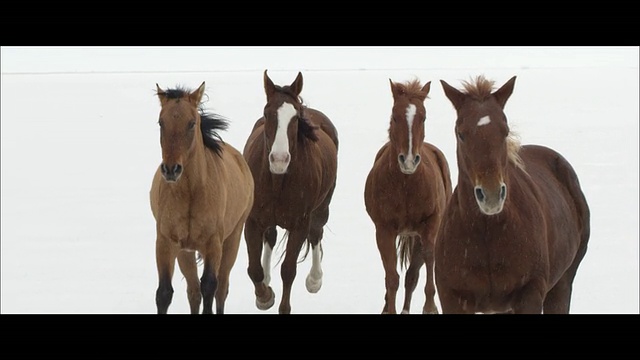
[
  {"x": 210, "y": 123},
  {"x": 305, "y": 126}
]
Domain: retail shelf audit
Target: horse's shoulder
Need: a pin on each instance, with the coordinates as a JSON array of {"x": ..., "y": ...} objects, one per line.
[{"x": 326, "y": 125}]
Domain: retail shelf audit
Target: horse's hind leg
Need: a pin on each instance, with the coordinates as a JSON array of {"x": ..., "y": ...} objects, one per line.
[
  {"x": 209, "y": 280},
  {"x": 189, "y": 268},
  {"x": 253, "y": 235},
  {"x": 289, "y": 265},
  {"x": 229, "y": 256},
  {"x": 428, "y": 238},
  {"x": 319, "y": 219},
  {"x": 413, "y": 273}
]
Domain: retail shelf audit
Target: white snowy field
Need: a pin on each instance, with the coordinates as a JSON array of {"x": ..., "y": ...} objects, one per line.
[{"x": 80, "y": 144}]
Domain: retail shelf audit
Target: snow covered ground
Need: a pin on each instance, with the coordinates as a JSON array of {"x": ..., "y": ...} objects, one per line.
[{"x": 80, "y": 144}]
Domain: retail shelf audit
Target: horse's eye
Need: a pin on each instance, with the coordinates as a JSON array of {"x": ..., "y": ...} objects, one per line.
[
  {"x": 460, "y": 136},
  {"x": 160, "y": 123},
  {"x": 192, "y": 124}
]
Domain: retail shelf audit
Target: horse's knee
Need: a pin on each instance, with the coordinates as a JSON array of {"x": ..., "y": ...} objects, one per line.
[{"x": 392, "y": 282}]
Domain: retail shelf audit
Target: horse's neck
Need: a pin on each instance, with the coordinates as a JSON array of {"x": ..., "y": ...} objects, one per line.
[{"x": 196, "y": 168}]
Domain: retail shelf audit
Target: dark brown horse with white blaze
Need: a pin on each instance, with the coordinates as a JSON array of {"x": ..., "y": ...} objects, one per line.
[
  {"x": 292, "y": 153},
  {"x": 406, "y": 193},
  {"x": 201, "y": 196},
  {"x": 517, "y": 226}
]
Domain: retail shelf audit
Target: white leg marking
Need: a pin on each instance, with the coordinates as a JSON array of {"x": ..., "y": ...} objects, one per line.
[
  {"x": 266, "y": 263},
  {"x": 314, "y": 279}
]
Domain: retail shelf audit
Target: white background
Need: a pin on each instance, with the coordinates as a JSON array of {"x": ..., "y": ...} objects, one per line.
[{"x": 80, "y": 144}]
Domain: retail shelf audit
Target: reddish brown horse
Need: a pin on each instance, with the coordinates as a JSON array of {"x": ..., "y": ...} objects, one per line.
[
  {"x": 405, "y": 195},
  {"x": 201, "y": 196},
  {"x": 517, "y": 225},
  {"x": 292, "y": 153}
]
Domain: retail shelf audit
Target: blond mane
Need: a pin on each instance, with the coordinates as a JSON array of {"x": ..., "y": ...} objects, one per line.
[
  {"x": 412, "y": 89},
  {"x": 480, "y": 88}
]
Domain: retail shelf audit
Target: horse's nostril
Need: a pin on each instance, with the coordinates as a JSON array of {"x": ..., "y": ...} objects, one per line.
[
  {"x": 163, "y": 168},
  {"x": 177, "y": 169},
  {"x": 416, "y": 160},
  {"x": 479, "y": 194},
  {"x": 401, "y": 158},
  {"x": 503, "y": 191}
]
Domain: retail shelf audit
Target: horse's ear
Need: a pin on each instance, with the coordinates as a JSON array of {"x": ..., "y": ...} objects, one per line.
[
  {"x": 503, "y": 94},
  {"x": 425, "y": 89},
  {"x": 161, "y": 94},
  {"x": 269, "y": 87},
  {"x": 296, "y": 85},
  {"x": 454, "y": 95},
  {"x": 393, "y": 88},
  {"x": 196, "y": 96}
]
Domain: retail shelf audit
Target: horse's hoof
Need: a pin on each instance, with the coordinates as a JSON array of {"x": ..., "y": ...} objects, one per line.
[
  {"x": 267, "y": 304},
  {"x": 430, "y": 312},
  {"x": 405, "y": 312},
  {"x": 313, "y": 285}
]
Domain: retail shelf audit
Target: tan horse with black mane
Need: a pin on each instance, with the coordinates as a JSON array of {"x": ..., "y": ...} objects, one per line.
[
  {"x": 518, "y": 224},
  {"x": 201, "y": 196},
  {"x": 292, "y": 153},
  {"x": 405, "y": 195}
]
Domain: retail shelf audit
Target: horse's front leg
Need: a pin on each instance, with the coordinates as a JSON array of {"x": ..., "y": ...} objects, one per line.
[
  {"x": 209, "y": 280},
  {"x": 253, "y": 235},
  {"x": 165, "y": 262},
  {"x": 385, "y": 239},
  {"x": 288, "y": 269}
]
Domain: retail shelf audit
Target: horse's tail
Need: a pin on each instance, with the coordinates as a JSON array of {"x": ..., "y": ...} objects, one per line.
[
  {"x": 404, "y": 247},
  {"x": 303, "y": 253}
]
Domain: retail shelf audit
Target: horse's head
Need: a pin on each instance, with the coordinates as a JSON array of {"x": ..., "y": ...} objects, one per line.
[
  {"x": 484, "y": 146},
  {"x": 283, "y": 116},
  {"x": 406, "y": 130},
  {"x": 179, "y": 127}
]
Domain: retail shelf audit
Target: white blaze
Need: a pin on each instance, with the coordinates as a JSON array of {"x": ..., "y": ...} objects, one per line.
[
  {"x": 484, "y": 120},
  {"x": 279, "y": 156},
  {"x": 411, "y": 114}
]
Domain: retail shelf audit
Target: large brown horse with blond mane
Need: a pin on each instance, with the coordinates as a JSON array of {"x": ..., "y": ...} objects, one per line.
[
  {"x": 201, "y": 196},
  {"x": 292, "y": 152},
  {"x": 405, "y": 195},
  {"x": 518, "y": 224}
]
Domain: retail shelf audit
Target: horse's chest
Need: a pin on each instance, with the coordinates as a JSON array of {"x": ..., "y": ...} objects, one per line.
[
  {"x": 404, "y": 199},
  {"x": 288, "y": 200},
  {"x": 489, "y": 268},
  {"x": 186, "y": 225}
]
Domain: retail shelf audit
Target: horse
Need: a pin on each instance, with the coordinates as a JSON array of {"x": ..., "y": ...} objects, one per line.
[
  {"x": 292, "y": 152},
  {"x": 405, "y": 195},
  {"x": 201, "y": 195},
  {"x": 517, "y": 225}
]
